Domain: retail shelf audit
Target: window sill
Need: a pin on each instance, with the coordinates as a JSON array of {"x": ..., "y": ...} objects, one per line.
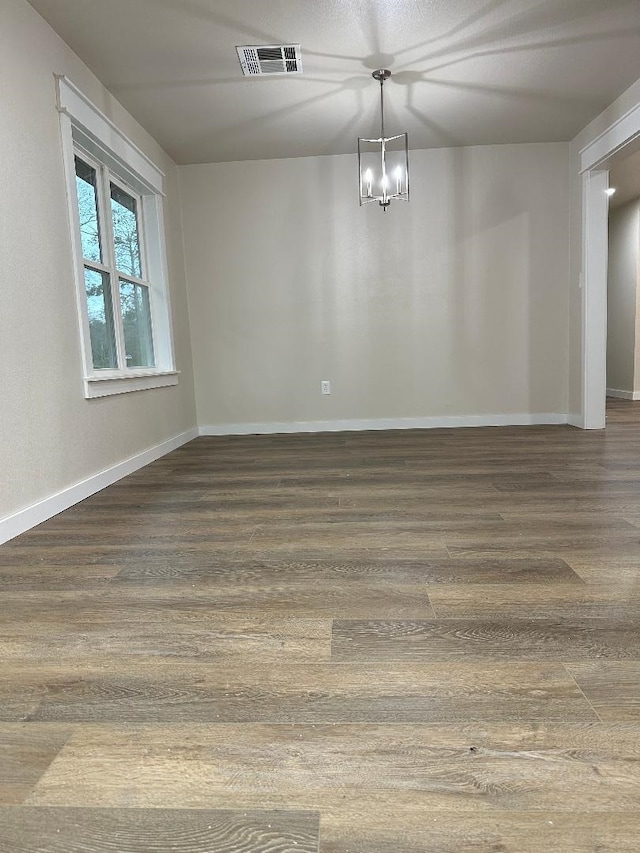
[{"x": 105, "y": 386}]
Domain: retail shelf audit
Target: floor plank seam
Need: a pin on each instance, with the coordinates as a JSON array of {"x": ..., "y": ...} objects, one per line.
[{"x": 566, "y": 666}]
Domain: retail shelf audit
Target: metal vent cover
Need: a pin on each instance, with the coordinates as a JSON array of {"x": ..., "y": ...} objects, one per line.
[{"x": 259, "y": 60}]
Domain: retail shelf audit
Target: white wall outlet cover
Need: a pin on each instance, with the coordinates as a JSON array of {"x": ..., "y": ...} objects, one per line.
[{"x": 325, "y": 386}]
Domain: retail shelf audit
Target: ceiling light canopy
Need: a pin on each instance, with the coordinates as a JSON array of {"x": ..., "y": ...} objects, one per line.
[{"x": 383, "y": 163}]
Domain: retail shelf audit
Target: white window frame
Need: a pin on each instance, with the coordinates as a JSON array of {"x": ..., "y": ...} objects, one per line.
[{"x": 94, "y": 138}]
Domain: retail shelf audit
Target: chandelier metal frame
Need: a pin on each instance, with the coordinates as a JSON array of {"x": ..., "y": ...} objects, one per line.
[{"x": 385, "y": 196}]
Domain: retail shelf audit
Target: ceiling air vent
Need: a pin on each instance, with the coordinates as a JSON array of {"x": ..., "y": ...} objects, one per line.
[{"x": 259, "y": 60}]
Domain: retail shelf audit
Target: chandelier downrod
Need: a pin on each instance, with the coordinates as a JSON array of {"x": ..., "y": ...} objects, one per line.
[{"x": 381, "y": 75}]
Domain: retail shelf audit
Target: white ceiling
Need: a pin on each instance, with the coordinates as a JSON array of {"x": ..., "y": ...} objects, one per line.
[{"x": 465, "y": 72}]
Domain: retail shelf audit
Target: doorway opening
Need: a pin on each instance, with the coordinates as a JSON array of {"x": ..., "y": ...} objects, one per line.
[
  {"x": 620, "y": 140},
  {"x": 623, "y": 281}
]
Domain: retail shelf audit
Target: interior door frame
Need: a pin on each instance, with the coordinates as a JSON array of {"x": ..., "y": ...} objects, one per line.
[{"x": 618, "y": 140}]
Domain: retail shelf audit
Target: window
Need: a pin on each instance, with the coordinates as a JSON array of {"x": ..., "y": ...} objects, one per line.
[
  {"x": 115, "y": 206},
  {"x": 120, "y": 326}
]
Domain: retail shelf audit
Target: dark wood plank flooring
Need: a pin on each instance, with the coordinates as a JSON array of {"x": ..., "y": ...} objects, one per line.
[{"x": 393, "y": 642}]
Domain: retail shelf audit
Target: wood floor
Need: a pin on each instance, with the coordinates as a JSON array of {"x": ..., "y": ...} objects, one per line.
[{"x": 400, "y": 642}]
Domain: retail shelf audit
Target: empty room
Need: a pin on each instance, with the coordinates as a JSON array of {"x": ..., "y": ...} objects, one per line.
[{"x": 319, "y": 429}]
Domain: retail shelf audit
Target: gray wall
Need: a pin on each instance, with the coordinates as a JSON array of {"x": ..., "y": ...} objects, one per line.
[
  {"x": 455, "y": 304},
  {"x": 51, "y": 437},
  {"x": 622, "y": 297}
]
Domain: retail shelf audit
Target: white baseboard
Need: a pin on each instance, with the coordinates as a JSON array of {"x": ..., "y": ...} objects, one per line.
[
  {"x": 624, "y": 395},
  {"x": 25, "y": 519},
  {"x": 383, "y": 423}
]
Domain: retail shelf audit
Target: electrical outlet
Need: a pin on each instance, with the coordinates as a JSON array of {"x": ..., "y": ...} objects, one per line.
[{"x": 325, "y": 386}]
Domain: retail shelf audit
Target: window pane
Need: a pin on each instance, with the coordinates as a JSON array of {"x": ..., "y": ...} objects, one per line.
[
  {"x": 86, "y": 183},
  {"x": 100, "y": 311},
  {"x": 125, "y": 232},
  {"x": 136, "y": 322}
]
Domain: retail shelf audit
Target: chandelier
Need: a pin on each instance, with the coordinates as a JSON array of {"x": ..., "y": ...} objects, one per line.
[{"x": 383, "y": 163}]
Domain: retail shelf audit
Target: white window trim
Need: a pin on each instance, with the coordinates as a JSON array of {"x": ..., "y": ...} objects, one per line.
[{"x": 84, "y": 126}]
